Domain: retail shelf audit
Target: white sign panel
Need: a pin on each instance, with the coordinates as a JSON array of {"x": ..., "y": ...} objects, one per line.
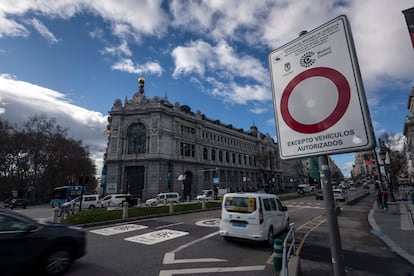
[
  {"x": 320, "y": 104},
  {"x": 157, "y": 236},
  {"x": 111, "y": 188}
]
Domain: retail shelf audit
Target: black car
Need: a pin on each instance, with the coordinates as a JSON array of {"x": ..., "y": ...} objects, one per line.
[{"x": 28, "y": 246}]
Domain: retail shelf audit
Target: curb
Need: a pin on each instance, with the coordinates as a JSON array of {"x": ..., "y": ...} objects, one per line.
[{"x": 378, "y": 232}]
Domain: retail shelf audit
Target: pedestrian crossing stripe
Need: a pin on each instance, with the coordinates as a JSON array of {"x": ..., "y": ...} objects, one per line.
[
  {"x": 157, "y": 236},
  {"x": 118, "y": 229}
]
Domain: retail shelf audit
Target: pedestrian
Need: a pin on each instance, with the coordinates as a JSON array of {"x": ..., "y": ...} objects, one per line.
[
  {"x": 412, "y": 196},
  {"x": 385, "y": 199},
  {"x": 379, "y": 199},
  {"x": 128, "y": 198}
]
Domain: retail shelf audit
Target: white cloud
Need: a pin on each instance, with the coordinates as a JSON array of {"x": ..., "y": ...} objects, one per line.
[
  {"x": 258, "y": 110},
  {"x": 221, "y": 66},
  {"x": 21, "y": 100},
  {"x": 127, "y": 65},
  {"x": 230, "y": 19},
  {"x": 121, "y": 50},
  {"x": 144, "y": 17},
  {"x": 43, "y": 31},
  {"x": 347, "y": 166}
]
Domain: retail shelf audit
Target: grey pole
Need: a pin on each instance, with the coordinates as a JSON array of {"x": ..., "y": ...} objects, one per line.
[{"x": 333, "y": 229}]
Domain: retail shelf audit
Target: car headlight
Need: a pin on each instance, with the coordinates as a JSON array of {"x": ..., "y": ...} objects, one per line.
[{"x": 76, "y": 228}]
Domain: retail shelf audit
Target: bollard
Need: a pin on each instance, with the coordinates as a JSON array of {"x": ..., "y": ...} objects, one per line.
[
  {"x": 125, "y": 210},
  {"x": 55, "y": 218},
  {"x": 277, "y": 254},
  {"x": 171, "y": 207},
  {"x": 203, "y": 204}
]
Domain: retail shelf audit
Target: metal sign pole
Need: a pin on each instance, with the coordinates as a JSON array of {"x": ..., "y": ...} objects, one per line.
[{"x": 333, "y": 229}]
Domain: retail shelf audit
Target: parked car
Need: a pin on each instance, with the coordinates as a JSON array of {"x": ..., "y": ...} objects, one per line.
[
  {"x": 252, "y": 216},
  {"x": 339, "y": 194},
  {"x": 16, "y": 202},
  {"x": 30, "y": 247},
  {"x": 113, "y": 200},
  {"x": 318, "y": 194},
  {"x": 88, "y": 202},
  {"x": 163, "y": 198},
  {"x": 205, "y": 195},
  {"x": 303, "y": 188}
]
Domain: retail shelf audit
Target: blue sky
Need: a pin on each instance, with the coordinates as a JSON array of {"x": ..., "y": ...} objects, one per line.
[{"x": 72, "y": 59}]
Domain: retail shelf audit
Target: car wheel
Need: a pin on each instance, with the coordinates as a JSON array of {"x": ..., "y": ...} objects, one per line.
[
  {"x": 57, "y": 261},
  {"x": 92, "y": 207},
  {"x": 270, "y": 237},
  {"x": 227, "y": 239}
]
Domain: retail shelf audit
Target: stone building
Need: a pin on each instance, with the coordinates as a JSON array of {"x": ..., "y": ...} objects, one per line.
[
  {"x": 409, "y": 134},
  {"x": 155, "y": 146}
]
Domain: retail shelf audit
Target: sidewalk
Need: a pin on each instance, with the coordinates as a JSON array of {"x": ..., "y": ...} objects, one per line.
[
  {"x": 396, "y": 230},
  {"x": 374, "y": 242}
]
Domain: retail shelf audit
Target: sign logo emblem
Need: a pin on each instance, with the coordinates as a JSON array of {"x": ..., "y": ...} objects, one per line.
[
  {"x": 306, "y": 60},
  {"x": 287, "y": 66}
]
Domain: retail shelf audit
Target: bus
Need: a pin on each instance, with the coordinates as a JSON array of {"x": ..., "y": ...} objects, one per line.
[{"x": 64, "y": 194}]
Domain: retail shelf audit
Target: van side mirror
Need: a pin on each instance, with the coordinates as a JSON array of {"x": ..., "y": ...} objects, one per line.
[{"x": 284, "y": 208}]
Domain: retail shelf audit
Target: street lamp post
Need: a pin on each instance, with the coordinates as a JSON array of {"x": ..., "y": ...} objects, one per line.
[{"x": 383, "y": 157}]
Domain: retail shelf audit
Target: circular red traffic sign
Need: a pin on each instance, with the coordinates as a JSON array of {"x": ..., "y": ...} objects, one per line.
[{"x": 344, "y": 96}]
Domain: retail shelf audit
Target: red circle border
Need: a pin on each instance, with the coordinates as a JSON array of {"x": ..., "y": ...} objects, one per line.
[{"x": 344, "y": 96}]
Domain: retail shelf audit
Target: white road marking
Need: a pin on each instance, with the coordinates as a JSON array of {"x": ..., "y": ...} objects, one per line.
[
  {"x": 212, "y": 222},
  {"x": 157, "y": 236},
  {"x": 169, "y": 258},
  {"x": 210, "y": 270},
  {"x": 194, "y": 241},
  {"x": 118, "y": 229}
]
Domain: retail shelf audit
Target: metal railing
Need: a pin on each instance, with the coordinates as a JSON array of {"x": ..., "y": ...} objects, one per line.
[{"x": 288, "y": 252}]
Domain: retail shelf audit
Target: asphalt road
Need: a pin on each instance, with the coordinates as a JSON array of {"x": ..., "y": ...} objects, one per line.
[
  {"x": 172, "y": 245},
  {"x": 190, "y": 244}
]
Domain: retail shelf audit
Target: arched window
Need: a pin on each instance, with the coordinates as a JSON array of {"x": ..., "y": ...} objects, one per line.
[
  {"x": 205, "y": 154},
  {"x": 220, "y": 156},
  {"x": 137, "y": 139},
  {"x": 213, "y": 155}
]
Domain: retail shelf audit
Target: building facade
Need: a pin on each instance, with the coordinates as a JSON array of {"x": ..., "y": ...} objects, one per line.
[
  {"x": 409, "y": 134},
  {"x": 155, "y": 146}
]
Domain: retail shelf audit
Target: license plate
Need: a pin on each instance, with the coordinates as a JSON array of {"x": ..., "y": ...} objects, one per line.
[{"x": 239, "y": 224}]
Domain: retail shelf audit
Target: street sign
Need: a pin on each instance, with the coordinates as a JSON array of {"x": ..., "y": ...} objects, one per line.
[{"x": 318, "y": 95}]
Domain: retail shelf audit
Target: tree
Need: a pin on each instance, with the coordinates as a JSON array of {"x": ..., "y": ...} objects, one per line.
[
  {"x": 37, "y": 156},
  {"x": 393, "y": 144}
]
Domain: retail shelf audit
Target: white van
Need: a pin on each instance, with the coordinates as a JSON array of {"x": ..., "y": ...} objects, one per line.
[
  {"x": 88, "y": 202},
  {"x": 113, "y": 200},
  {"x": 163, "y": 198},
  {"x": 205, "y": 195},
  {"x": 253, "y": 216}
]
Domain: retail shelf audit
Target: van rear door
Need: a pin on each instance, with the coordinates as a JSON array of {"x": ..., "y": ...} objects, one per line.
[{"x": 241, "y": 210}]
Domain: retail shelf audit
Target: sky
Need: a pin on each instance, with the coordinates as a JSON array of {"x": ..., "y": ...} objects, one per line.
[{"x": 71, "y": 59}]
